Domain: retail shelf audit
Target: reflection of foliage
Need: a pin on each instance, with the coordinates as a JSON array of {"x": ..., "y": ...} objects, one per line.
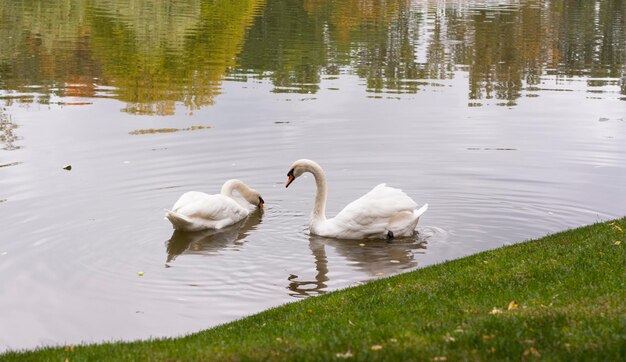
[
  {"x": 44, "y": 44},
  {"x": 158, "y": 53},
  {"x": 289, "y": 44},
  {"x": 182, "y": 60},
  {"x": 7, "y": 136},
  {"x": 502, "y": 46},
  {"x": 155, "y": 52}
]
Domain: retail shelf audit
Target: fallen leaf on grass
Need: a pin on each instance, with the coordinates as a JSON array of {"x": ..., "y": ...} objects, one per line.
[
  {"x": 448, "y": 338},
  {"x": 346, "y": 354},
  {"x": 616, "y": 227},
  {"x": 440, "y": 358},
  {"x": 376, "y": 347},
  {"x": 496, "y": 311},
  {"x": 513, "y": 305},
  {"x": 488, "y": 336},
  {"x": 532, "y": 352},
  {"x": 617, "y": 242}
]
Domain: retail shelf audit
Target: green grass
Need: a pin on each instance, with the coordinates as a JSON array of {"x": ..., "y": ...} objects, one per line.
[{"x": 570, "y": 289}]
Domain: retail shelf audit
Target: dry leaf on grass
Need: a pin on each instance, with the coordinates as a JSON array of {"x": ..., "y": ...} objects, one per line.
[
  {"x": 496, "y": 311},
  {"x": 346, "y": 354}
]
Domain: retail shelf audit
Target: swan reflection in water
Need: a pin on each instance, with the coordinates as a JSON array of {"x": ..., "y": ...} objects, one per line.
[
  {"x": 373, "y": 257},
  {"x": 210, "y": 242}
]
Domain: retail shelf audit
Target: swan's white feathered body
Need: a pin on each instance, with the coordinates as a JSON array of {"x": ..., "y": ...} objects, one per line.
[
  {"x": 198, "y": 211},
  {"x": 373, "y": 215},
  {"x": 382, "y": 212}
]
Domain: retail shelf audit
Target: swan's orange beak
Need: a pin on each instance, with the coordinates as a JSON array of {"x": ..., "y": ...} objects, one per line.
[{"x": 289, "y": 180}]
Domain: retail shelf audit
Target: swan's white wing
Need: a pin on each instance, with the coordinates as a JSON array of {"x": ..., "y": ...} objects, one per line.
[
  {"x": 188, "y": 198},
  {"x": 371, "y": 213},
  {"x": 199, "y": 205}
]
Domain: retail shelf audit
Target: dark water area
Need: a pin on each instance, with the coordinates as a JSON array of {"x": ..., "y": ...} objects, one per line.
[{"x": 507, "y": 117}]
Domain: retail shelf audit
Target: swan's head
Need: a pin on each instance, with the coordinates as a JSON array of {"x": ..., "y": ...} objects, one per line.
[
  {"x": 298, "y": 168},
  {"x": 253, "y": 197}
]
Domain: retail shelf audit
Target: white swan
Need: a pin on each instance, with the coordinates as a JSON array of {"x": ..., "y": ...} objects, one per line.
[
  {"x": 384, "y": 212},
  {"x": 197, "y": 211}
]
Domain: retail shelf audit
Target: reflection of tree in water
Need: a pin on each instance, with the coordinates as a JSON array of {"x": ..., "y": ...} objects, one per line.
[
  {"x": 7, "y": 134},
  {"x": 160, "y": 53},
  {"x": 211, "y": 242},
  {"x": 156, "y": 53},
  {"x": 162, "y": 58},
  {"x": 373, "y": 257},
  {"x": 395, "y": 44}
]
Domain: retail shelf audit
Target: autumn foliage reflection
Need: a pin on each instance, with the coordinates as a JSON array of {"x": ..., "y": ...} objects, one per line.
[{"x": 156, "y": 54}]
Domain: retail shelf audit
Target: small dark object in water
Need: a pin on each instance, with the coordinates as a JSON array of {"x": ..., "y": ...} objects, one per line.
[
  {"x": 68, "y": 167},
  {"x": 389, "y": 234}
]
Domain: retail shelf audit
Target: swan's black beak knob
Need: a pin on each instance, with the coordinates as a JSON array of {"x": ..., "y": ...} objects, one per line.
[
  {"x": 290, "y": 178},
  {"x": 261, "y": 202}
]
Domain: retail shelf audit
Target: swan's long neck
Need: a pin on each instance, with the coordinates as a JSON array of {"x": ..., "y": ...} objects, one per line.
[
  {"x": 231, "y": 185},
  {"x": 319, "y": 211}
]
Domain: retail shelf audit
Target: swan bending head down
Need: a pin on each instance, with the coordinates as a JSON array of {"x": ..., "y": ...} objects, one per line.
[
  {"x": 198, "y": 211},
  {"x": 249, "y": 194},
  {"x": 382, "y": 212}
]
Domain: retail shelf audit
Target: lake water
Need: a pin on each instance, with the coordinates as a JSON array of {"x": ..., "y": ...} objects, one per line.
[{"x": 507, "y": 117}]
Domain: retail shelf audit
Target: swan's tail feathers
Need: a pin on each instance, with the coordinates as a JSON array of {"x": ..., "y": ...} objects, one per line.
[
  {"x": 420, "y": 211},
  {"x": 179, "y": 222}
]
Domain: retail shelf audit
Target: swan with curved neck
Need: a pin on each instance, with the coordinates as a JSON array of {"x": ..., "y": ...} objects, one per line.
[
  {"x": 384, "y": 212},
  {"x": 198, "y": 211}
]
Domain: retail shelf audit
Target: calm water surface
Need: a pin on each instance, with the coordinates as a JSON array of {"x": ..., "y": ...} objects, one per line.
[{"x": 507, "y": 117}]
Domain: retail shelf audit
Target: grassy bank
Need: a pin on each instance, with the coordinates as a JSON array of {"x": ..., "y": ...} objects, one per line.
[{"x": 557, "y": 298}]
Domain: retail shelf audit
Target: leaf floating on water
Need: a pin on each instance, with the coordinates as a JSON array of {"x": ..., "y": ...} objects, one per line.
[
  {"x": 376, "y": 347},
  {"x": 140, "y": 273},
  {"x": 68, "y": 167},
  {"x": 10, "y": 164},
  {"x": 512, "y": 305}
]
